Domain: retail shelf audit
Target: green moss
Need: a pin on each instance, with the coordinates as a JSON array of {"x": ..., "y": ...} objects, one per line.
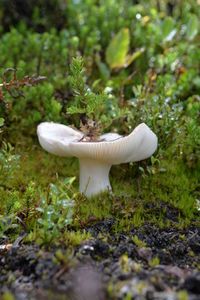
[
  {"x": 7, "y": 296},
  {"x": 135, "y": 200},
  {"x": 74, "y": 239},
  {"x": 182, "y": 295},
  {"x": 138, "y": 242},
  {"x": 154, "y": 262},
  {"x": 128, "y": 297},
  {"x": 62, "y": 257}
]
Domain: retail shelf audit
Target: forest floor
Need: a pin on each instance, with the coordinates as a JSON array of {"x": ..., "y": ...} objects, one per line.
[{"x": 161, "y": 264}]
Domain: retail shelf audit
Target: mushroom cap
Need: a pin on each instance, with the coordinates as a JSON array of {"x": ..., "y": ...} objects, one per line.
[{"x": 113, "y": 149}]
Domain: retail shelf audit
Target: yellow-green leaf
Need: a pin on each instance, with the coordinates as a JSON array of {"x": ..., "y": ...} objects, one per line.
[
  {"x": 118, "y": 49},
  {"x": 1, "y": 121},
  {"x": 132, "y": 57}
]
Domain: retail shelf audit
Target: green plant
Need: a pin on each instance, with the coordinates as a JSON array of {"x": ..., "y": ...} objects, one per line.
[
  {"x": 9, "y": 161},
  {"x": 8, "y": 224},
  {"x": 56, "y": 211},
  {"x": 138, "y": 242},
  {"x": 75, "y": 239},
  {"x": 90, "y": 106},
  {"x": 1, "y": 124},
  {"x": 154, "y": 261},
  {"x": 11, "y": 90}
]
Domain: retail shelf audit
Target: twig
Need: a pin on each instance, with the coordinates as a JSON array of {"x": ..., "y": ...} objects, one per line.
[
  {"x": 147, "y": 87},
  {"x": 19, "y": 240},
  {"x": 61, "y": 272}
]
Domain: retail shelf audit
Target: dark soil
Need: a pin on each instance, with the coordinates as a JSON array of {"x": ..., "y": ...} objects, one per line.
[{"x": 109, "y": 267}]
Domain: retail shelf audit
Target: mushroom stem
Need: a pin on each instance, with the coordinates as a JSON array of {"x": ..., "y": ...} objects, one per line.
[{"x": 94, "y": 176}]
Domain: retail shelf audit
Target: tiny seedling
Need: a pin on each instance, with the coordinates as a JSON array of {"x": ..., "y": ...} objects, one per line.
[{"x": 90, "y": 107}]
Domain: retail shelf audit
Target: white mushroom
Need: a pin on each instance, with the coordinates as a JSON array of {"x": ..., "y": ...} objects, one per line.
[{"x": 96, "y": 158}]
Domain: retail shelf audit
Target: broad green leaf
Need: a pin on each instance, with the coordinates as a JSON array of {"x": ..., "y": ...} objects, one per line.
[
  {"x": 192, "y": 27},
  {"x": 118, "y": 49},
  {"x": 168, "y": 30}
]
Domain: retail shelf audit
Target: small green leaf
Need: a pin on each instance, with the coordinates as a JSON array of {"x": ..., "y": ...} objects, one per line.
[
  {"x": 103, "y": 69},
  {"x": 152, "y": 160},
  {"x": 192, "y": 27},
  {"x": 75, "y": 110},
  {"x": 141, "y": 169},
  {"x": 96, "y": 83},
  {"x": 168, "y": 30},
  {"x": 69, "y": 180},
  {"x": 54, "y": 189},
  {"x": 1, "y": 122},
  {"x": 118, "y": 49},
  {"x": 132, "y": 57}
]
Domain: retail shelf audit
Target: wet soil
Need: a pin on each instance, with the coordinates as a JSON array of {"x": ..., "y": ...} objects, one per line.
[{"x": 110, "y": 266}]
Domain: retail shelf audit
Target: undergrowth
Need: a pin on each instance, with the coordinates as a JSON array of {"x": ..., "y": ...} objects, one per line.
[{"x": 50, "y": 211}]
